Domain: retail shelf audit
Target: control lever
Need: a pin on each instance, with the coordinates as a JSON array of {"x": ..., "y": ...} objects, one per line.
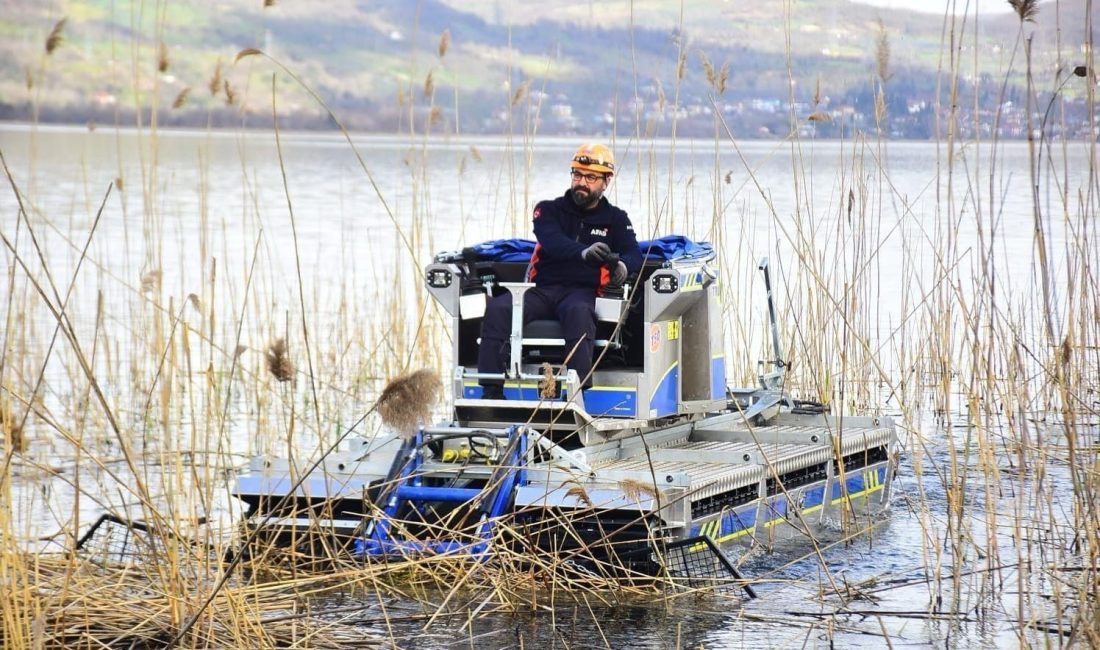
[
  {"x": 479, "y": 272},
  {"x": 774, "y": 379},
  {"x": 612, "y": 290}
]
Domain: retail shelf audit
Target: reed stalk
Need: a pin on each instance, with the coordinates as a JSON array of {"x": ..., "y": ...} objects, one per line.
[{"x": 135, "y": 389}]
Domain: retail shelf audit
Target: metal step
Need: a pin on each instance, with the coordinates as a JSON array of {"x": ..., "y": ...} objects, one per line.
[{"x": 405, "y": 492}]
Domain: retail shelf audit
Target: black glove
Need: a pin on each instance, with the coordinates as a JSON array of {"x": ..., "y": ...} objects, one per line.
[
  {"x": 618, "y": 275},
  {"x": 597, "y": 252}
]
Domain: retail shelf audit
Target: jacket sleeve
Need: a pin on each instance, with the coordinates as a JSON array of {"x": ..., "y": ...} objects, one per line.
[
  {"x": 556, "y": 245},
  {"x": 626, "y": 243}
]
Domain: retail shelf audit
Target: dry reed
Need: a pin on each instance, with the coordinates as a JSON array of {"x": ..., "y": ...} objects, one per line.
[
  {"x": 548, "y": 385},
  {"x": 408, "y": 401},
  {"x": 278, "y": 360},
  {"x": 994, "y": 384},
  {"x": 56, "y": 37},
  {"x": 181, "y": 98}
]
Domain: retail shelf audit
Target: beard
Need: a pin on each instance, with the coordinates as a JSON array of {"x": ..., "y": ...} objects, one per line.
[{"x": 585, "y": 197}]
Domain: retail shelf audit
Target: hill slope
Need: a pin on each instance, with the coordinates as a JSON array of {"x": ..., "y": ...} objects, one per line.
[{"x": 556, "y": 66}]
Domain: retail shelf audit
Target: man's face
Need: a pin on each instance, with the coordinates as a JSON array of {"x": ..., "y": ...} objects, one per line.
[{"x": 587, "y": 187}]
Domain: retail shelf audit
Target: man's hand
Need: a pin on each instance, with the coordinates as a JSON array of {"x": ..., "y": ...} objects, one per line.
[
  {"x": 618, "y": 276},
  {"x": 597, "y": 252}
]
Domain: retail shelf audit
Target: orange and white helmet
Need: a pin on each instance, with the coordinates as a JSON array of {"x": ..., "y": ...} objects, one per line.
[{"x": 594, "y": 157}]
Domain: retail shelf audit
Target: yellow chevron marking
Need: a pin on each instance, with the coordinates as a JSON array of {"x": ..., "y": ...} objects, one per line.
[
  {"x": 735, "y": 535},
  {"x": 691, "y": 281},
  {"x": 710, "y": 529},
  {"x": 871, "y": 484}
]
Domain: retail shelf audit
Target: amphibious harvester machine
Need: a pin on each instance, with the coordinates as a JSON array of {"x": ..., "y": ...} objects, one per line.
[{"x": 658, "y": 452}]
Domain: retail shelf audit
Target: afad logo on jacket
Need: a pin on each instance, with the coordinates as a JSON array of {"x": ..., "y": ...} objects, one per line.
[{"x": 598, "y": 232}]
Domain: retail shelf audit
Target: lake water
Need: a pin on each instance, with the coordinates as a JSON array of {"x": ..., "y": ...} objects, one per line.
[{"x": 876, "y": 246}]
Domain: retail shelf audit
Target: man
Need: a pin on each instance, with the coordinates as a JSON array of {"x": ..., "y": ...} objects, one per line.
[{"x": 576, "y": 233}]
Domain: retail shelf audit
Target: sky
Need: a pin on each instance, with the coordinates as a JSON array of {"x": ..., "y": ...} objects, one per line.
[{"x": 938, "y": 6}]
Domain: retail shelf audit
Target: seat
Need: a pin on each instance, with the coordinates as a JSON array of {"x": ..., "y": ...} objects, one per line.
[
  {"x": 543, "y": 331},
  {"x": 543, "y": 341},
  {"x": 549, "y": 333}
]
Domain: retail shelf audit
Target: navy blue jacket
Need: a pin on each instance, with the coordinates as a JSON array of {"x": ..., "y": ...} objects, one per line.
[{"x": 564, "y": 229}]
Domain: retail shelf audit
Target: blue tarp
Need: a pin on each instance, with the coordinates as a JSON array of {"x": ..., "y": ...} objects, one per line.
[
  {"x": 670, "y": 247},
  {"x": 505, "y": 250},
  {"x": 675, "y": 247}
]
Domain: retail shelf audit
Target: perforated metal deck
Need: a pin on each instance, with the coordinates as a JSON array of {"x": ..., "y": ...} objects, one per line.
[{"x": 716, "y": 466}]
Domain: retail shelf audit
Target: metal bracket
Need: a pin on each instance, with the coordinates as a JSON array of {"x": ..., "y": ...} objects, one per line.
[
  {"x": 575, "y": 459},
  {"x": 517, "y": 289}
]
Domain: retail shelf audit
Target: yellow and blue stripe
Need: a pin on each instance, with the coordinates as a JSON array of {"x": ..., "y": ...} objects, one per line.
[
  {"x": 859, "y": 484},
  {"x": 730, "y": 525}
]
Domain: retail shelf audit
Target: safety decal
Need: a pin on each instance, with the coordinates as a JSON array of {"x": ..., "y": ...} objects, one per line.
[
  {"x": 673, "y": 330},
  {"x": 691, "y": 281},
  {"x": 654, "y": 337}
]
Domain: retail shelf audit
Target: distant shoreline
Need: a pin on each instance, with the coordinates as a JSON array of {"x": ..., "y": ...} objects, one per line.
[{"x": 488, "y": 139}]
